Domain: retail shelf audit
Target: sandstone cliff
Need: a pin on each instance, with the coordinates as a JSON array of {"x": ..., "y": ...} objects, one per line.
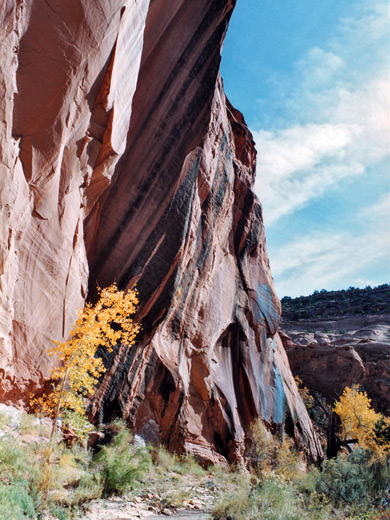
[
  {"x": 68, "y": 75},
  {"x": 123, "y": 161},
  {"x": 330, "y": 354},
  {"x": 336, "y": 339}
]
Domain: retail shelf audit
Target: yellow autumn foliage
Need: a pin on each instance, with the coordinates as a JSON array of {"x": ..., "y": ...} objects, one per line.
[
  {"x": 358, "y": 419},
  {"x": 308, "y": 400},
  {"x": 101, "y": 325}
]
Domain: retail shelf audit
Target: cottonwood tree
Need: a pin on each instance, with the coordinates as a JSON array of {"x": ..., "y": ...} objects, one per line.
[
  {"x": 360, "y": 423},
  {"x": 103, "y": 325}
]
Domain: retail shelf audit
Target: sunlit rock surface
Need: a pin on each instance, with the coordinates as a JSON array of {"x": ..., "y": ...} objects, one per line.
[
  {"x": 123, "y": 161},
  {"x": 68, "y": 74},
  {"x": 329, "y": 355}
]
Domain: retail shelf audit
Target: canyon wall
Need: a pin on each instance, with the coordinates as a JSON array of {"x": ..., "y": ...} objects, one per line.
[
  {"x": 123, "y": 161},
  {"x": 68, "y": 74},
  {"x": 330, "y": 354}
]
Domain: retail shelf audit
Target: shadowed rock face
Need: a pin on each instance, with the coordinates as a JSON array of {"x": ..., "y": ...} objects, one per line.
[
  {"x": 209, "y": 356},
  {"x": 130, "y": 91}
]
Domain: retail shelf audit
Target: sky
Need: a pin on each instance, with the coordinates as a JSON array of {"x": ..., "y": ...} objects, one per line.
[{"x": 313, "y": 82}]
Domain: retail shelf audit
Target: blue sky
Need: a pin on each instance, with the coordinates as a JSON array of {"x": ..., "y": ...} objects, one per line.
[{"x": 313, "y": 82}]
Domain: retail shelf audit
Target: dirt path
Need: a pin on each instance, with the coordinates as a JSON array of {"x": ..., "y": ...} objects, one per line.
[
  {"x": 168, "y": 495},
  {"x": 187, "y": 515},
  {"x": 122, "y": 509}
]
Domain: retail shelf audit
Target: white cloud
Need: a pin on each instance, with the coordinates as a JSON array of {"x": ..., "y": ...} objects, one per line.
[
  {"x": 299, "y": 148},
  {"x": 341, "y": 117},
  {"x": 315, "y": 261},
  {"x": 299, "y": 163},
  {"x": 324, "y": 260},
  {"x": 320, "y": 67},
  {"x": 380, "y": 211}
]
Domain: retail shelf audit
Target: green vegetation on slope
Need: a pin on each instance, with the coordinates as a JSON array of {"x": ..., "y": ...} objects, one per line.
[
  {"x": 330, "y": 304},
  {"x": 54, "y": 480},
  {"x": 278, "y": 486}
]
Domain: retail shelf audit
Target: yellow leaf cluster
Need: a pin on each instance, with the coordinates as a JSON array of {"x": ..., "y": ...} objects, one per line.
[
  {"x": 358, "y": 419},
  {"x": 104, "y": 324},
  {"x": 308, "y": 400}
]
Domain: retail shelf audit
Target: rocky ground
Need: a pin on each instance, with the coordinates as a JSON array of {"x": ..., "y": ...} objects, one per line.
[
  {"x": 148, "y": 506},
  {"x": 185, "y": 496},
  {"x": 171, "y": 488}
]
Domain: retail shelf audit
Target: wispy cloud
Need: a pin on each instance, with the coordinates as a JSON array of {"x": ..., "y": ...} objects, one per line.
[
  {"x": 339, "y": 103},
  {"x": 300, "y": 163},
  {"x": 321, "y": 261},
  {"x": 378, "y": 212}
]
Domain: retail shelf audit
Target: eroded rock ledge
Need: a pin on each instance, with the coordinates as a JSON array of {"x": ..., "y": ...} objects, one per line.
[
  {"x": 129, "y": 92},
  {"x": 333, "y": 353}
]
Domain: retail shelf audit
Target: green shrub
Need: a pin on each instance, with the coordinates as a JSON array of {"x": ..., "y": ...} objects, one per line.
[
  {"x": 28, "y": 485},
  {"x": 16, "y": 503},
  {"x": 236, "y": 503},
  {"x": 277, "y": 499},
  {"x": 18, "y": 479},
  {"x": 191, "y": 466},
  {"x": 271, "y": 499},
  {"x": 289, "y": 462},
  {"x": 89, "y": 487},
  {"x": 120, "y": 464},
  {"x": 262, "y": 449},
  {"x": 354, "y": 480},
  {"x": 164, "y": 461}
]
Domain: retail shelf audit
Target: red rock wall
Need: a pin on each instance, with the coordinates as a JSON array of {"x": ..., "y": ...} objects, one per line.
[
  {"x": 68, "y": 73},
  {"x": 210, "y": 360},
  {"x": 82, "y": 106},
  {"x": 342, "y": 351}
]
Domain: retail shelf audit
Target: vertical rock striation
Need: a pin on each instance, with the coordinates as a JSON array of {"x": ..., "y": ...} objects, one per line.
[
  {"x": 130, "y": 93},
  {"x": 210, "y": 361},
  {"x": 68, "y": 73},
  {"x": 190, "y": 233}
]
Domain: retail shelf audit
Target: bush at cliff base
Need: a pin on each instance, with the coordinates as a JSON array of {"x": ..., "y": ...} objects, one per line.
[
  {"x": 354, "y": 486},
  {"x": 359, "y": 478},
  {"x": 76, "y": 475},
  {"x": 118, "y": 465},
  {"x": 18, "y": 479}
]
